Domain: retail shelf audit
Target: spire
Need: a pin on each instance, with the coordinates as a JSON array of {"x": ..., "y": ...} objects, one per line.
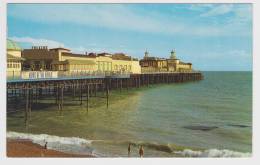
[
  {"x": 146, "y": 54},
  {"x": 173, "y": 54}
]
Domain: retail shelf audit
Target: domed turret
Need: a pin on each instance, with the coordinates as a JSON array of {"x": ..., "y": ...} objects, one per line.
[
  {"x": 173, "y": 55},
  {"x": 146, "y": 54},
  {"x": 11, "y": 45}
]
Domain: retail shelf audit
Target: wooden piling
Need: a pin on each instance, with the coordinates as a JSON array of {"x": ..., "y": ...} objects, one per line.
[
  {"x": 62, "y": 98},
  {"x": 107, "y": 93},
  {"x": 87, "y": 97},
  {"x": 26, "y": 105},
  {"x": 80, "y": 93}
]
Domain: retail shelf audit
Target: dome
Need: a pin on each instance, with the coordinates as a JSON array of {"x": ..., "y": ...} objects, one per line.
[
  {"x": 11, "y": 45},
  {"x": 173, "y": 55}
]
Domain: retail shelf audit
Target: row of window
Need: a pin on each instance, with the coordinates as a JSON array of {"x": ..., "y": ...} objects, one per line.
[
  {"x": 101, "y": 66},
  {"x": 81, "y": 66},
  {"x": 13, "y": 65},
  {"x": 122, "y": 67},
  {"x": 153, "y": 63},
  {"x": 105, "y": 66}
]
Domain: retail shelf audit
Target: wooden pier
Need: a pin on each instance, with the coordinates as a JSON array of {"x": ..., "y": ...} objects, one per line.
[{"x": 28, "y": 92}]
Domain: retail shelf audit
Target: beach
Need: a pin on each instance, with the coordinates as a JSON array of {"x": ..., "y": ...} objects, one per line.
[{"x": 26, "y": 148}]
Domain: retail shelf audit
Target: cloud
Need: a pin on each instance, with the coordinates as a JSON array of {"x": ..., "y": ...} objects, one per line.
[
  {"x": 230, "y": 55},
  {"x": 109, "y": 16},
  {"x": 218, "y": 10},
  {"x": 236, "y": 59},
  {"x": 200, "y": 7},
  {"x": 123, "y": 17},
  {"x": 46, "y": 42},
  {"x": 240, "y": 12},
  {"x": 38, "y": 42},
  {"x": 90, "y": 47}
]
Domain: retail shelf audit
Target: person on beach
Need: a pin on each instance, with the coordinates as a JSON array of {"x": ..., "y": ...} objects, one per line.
[
  {"x": 141, "y": 151},
  {"x": 129, "y": 149},
  {"x": 45, "y": 146}
]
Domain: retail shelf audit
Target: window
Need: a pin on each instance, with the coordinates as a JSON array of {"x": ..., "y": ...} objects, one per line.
[
  {"x": 103, "y": 68},
  {"x": 98, "y": 65}
]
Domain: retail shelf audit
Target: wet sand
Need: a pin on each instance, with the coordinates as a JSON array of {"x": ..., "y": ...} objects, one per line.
[{"x": 25, "y": 148}]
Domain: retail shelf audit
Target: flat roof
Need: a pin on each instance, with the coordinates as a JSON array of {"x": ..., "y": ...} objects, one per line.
[
  {"x": 60, "y": 49},
  {"x": 77, "y": 55}
]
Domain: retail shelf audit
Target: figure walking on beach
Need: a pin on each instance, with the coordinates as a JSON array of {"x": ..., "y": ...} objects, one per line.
[
  {"x": 45, "y": 146},
  {"x": 129, "y": 149},
  {"x": 141, "y": 151}
]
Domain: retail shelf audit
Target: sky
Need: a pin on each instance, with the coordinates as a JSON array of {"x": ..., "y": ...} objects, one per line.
[{"x": 213, "y": 37}]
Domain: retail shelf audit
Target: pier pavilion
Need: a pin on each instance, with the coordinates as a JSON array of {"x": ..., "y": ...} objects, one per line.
[
  {"x": 62, "y": 59},
  {"x": 155, "y": 64}
]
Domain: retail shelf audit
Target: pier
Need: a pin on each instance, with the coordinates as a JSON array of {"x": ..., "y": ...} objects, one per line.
[{"x": 81, "y": 88}]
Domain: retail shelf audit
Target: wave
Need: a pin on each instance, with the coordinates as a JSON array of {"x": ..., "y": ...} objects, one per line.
[
  {"x": 82, "y": 146},
  {"x": 154, "y": 146},
  {"x": 212, "y": 153},
  {"x": 181, "y": 150},
  {"x": 74, "y": 145},
  {"x": 38, "y": 138}
]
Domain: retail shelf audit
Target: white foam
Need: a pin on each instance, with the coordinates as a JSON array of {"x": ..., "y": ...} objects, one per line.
[
  {"x": 74, "y": 145},
  {"x": 42, "y": 138},
  {"x": 212, "y": 153},
  {"x": 80, "y": 145}
]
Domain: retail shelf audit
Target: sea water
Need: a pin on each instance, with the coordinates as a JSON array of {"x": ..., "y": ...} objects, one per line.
[{"x": 208, "y": 118}]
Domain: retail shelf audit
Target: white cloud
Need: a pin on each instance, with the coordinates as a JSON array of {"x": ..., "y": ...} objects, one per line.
[
  {"x": 218, "y": 10},
  {"x": 90, "y": 47},
  {"x": 241, "y": 12},
  {"x": 200, "y": 7},
  {"x": 112, "y": 16},
  {"x": 38, "y": 42},
  {"x": 236, "y": 54},
  {"x": 240, "y": 54},
  {"x": 116, "y": 16},
  {"x": 80, "y": 49}
]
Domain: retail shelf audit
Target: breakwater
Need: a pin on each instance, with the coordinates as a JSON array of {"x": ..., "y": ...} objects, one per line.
[{"x": 28, "y": 92}]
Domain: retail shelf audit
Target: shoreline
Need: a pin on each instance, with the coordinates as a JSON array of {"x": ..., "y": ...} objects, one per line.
[
  {"x": 16, "y": 148},
  {"x": 23, "y": 146}
]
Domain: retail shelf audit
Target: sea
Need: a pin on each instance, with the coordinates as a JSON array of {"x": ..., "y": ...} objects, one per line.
[{"x": 207, "y": 118}]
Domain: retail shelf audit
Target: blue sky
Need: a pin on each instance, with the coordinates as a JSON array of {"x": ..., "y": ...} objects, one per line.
[{"x": 211, "y": 36}]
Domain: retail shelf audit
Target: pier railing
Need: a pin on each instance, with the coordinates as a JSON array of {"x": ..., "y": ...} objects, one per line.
[
  {"x": 56, "y": 75},
  {"x": 33, "y": 75}
]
